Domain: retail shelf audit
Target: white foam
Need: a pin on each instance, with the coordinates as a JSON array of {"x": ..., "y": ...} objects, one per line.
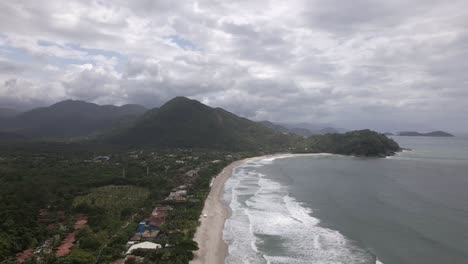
[{"x": 262, "y": 208}]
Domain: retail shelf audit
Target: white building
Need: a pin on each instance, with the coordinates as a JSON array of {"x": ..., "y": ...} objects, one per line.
[{"x": 143, "y": 245}]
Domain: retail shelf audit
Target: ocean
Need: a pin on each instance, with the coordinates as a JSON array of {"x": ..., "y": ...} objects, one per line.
[{"x": 407, "y": 209}]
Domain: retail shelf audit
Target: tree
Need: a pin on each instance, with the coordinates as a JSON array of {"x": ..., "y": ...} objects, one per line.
[{"x": 79, "y": 257}]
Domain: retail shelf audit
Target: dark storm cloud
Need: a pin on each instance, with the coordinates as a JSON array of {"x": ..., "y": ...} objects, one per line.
[{"x": 363, "y": 63}]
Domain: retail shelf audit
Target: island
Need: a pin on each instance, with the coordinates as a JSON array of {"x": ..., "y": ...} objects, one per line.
[{"x": 430, "y": 134}]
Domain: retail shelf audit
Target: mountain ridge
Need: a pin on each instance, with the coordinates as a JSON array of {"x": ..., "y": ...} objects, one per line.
[
  {"x": 69, "y": 119},
  {"x": 183, "y": 122}
]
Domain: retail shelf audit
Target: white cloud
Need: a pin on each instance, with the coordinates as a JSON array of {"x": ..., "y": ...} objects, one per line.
[{"x": 360, "y": 64}]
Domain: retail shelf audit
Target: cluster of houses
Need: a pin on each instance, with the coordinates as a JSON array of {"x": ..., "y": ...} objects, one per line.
[
  {"x": 148, "y": 229},
  {"x": 178, "y": 194},
  {"x": 54, "y": 221}
]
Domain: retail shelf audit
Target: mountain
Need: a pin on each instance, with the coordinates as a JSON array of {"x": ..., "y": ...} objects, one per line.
[
  {"x": 286, "y": 130},
  {"x": 357, "y": 143},
  {"x": 438, "y": 134},
  {"x": 8, "y": 113},
  {"x": 328, "y": 130},
  {"x": 11, "y": 136},
  {"x": 314, "y": 128},
  {"x": 430, "y": 134},
  {"x": 275, "y": 127},
  {"x": 301, "y": 129},
  {"x": 187, "y": 123},
  {"x": 69, "y": 119},
  {"x": 183, "y": 122},
  {"x": 304, "y": 132}
]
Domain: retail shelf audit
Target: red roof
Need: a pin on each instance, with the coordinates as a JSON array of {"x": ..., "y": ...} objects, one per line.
[
  {"x": 66, "y": 245},
  {"x": 23, "y": 256},
  {"x": 65, "y": 248}
]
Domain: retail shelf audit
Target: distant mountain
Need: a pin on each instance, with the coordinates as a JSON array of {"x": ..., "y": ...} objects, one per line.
[
  {"x": 70, "y": 119},
  {"x": 430, "y": 134},
  {"x": 8, "y": 113},
  {"x": 315, "y": 128},
  {"x": 183, "y": 122},
  {"x": 11, "y": 136},
  {"x": 300, "y": 129},
  {"x": 389, "y": 134},
  {"x": 329, "y": 130},
  {"x": 439, "y": 134},
  {"x": 275, "y": 127}
]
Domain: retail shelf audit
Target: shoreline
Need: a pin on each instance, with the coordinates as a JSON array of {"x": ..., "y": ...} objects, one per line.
[{"x": 209, "y": 235}]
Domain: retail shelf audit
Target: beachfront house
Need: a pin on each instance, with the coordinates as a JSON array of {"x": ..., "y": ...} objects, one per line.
[{"x": 144, "y": 245}]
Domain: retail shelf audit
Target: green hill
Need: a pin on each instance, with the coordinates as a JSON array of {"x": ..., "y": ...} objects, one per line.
[
  {"x": 357, "y": 143},
  {"x": 183, "y": 122}
]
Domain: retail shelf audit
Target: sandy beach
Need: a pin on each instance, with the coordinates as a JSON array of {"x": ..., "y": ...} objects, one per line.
[{"x": 209, "y": 236}]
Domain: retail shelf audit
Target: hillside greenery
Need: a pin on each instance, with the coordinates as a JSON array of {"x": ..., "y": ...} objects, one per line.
[
  {"x": 182, "y": 122},
  {"x": 357, "y": 143}
]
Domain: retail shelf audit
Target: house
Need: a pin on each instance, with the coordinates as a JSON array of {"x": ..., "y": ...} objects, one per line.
[
  {"x": 179, "y": 195},
  {"x": 149, "y": 234},
  {"x": 191, "y": 173},
  {"x": 141, "y": 227},
  {"x": 101, "y": 158},
  {"x": 162, "y": 210},
  {"x": 136, "y": 238},
  {"x": 144, "y": 245}
]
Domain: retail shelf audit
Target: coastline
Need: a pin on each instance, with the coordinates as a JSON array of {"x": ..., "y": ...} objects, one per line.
[{"x": 209, "y": 235}]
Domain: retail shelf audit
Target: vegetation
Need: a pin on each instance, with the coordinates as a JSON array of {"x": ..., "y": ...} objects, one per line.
[
  {"x": 358, "y": 143},
  {"x": 64, "y": 180},
  {"x": 116, "y": 200},
  {"x": 182, "y": 122}
]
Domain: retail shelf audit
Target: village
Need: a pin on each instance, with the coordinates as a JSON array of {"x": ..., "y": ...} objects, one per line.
[{"x": 149, "y": 232}]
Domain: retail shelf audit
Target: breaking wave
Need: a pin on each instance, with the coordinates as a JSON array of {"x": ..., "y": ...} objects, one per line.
[{"x": 269, "y": 226}]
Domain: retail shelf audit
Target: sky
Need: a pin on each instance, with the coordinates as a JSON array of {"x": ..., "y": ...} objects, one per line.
[{"x": 379, "y": 64}]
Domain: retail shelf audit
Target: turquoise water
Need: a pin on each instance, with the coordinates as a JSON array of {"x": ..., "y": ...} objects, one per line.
[{"x": 408, "y": 209}]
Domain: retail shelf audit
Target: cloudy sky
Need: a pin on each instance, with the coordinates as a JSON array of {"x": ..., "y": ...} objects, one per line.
[{"x": 387, "y": 65}]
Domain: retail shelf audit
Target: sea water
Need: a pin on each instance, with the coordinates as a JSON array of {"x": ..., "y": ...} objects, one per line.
[{"x": 407, "y": 209}]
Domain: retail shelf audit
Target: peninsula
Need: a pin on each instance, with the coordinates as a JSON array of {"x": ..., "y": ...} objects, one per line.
[{"x": 430, "y": 134}]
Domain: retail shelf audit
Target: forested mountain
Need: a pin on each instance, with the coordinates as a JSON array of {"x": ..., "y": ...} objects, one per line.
[
  {"x": 180, "y": 123},
  {"x": 358, "y": 143},
  {"x": 183, "y": 122},
  {"x": 69, "y": 119}
]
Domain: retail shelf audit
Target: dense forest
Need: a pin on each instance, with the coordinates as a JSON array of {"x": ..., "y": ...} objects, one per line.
[
  {"x": 357, "y": 143},
  {"x": 71, "y": 179}
]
